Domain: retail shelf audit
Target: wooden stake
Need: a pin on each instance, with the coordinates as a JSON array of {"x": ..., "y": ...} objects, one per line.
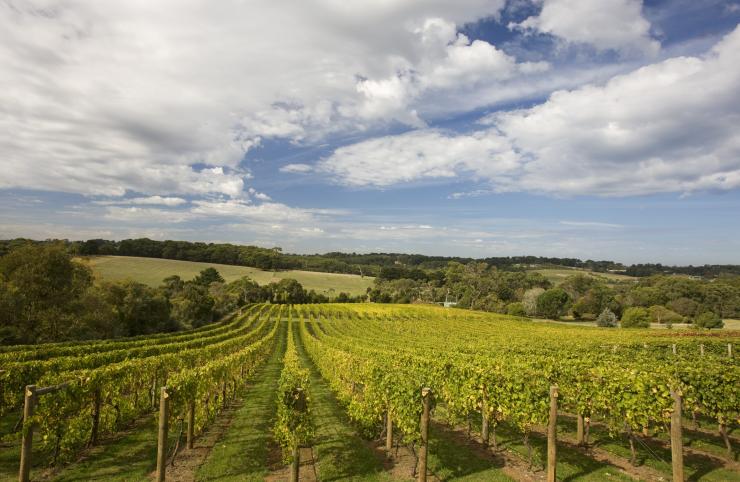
[
  {"x": 676, "y": 438},
  {"x": 191, "y": 424},
  {"x": 701, "y": 349},
  {"x": 729, "y": 350},
  {"x": 388, "y": 431},
  {"x": 164, "y": 408},
  {"x": 579, "y": 430},
  {"x": 295, "y": 465},
  {"x": 552, "y": 435},
  {"x": 484, "y": 427},
  {"x": 426, "y": 395},
  {"x": 29, "y": 404},
  {"x": 674, "y": 348}
]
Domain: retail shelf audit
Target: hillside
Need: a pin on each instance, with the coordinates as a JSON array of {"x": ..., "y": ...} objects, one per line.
[{"x": 152, "y": 271}]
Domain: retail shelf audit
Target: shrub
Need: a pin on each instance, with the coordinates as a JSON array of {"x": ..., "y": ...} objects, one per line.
[
  {"x": 709, "y": 320},
  {"x": 516, "y": 309},
  {"x": 635, "y": 317},
  {"x": 552, "y": 303},
  {"x": 607, "y": 319}
]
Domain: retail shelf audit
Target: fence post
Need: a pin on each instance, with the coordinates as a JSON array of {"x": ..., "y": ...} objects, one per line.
[
  {"x": 164, "y": 409},
  {"x": 579, "y": 429},
  {"x": 29, "y": 402},
  {"x": 701, "y": 349},
  {"x": 552, "y": 434},
  {"x": 388, "y": 431},
  {"x": 191, "y": 423},
  {"x": 729, "y": 350},
  {"x": 676, "y": 440},
  {"x": 674, "y": 348},
  {"x": 426, "y": 394}
]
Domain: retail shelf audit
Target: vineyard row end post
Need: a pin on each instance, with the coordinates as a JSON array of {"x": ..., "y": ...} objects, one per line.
[
  {"x": 191, "y": 424},
  {"x": 164, "y": 415},
  {"x": 388, "y": 431},
  {"x": 552, "y": 434},
  {"x": 426, "y": 395},
  {"x": 676, "y": 438},
  {"x": 29, "y": 402}
]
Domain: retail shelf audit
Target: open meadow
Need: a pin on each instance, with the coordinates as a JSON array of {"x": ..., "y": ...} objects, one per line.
[{"x": 152, "y": 271}]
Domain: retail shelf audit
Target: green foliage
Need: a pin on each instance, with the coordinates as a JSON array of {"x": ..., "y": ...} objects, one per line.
[
  {"x": 661, "y": 314},
  {"x": 709, "y": 320},
  {"x": 208, "y": 276},
  {"x": 635, "y": 317},
  {"x": 294, "y": 427},
  {"x": 553, "y": 303},
  {"x": 516, "y": 309},
  {"x": 607, "y": 319}
]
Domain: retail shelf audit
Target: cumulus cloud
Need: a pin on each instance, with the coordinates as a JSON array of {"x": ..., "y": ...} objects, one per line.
[
  {"x": 604, "y": 24},
  {"x": 107, "y": 97},
  {"x": 665, "y": 127}
]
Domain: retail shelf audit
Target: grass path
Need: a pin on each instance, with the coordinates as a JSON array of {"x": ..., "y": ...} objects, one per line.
[
  {"x": 242, "y": 454},
  {"x": 341, "y": 454}
]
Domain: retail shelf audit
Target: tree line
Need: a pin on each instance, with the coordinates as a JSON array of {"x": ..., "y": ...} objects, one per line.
[
  {"x": 664, "y": 299},
  {"x": 48, "y": 296},
  {"x": 369, "y": 264}
]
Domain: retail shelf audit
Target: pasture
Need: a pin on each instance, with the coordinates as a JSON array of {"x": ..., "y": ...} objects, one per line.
[{"x": 152, "y": 271}]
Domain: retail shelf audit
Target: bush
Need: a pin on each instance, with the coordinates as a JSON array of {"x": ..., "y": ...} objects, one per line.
[
  {"x": 552, "y": 303},
  {"x": 516, "y": 309},
  {"x": 709, "y": 320},
  {"x": 607, "y": 319},
  {"x": 636, "y": 317}
]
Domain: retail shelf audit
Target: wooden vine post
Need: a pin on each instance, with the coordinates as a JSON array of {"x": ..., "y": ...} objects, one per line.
[
  {"x": 701, "y": 349},
  {"x": 552, "y": 434},
  {"x": 579, "y": 430},
  {"x": 388, "y": 431},
  {"x": 301, "y": 405},
  {"x": 164, "y": 415},
  {"x": 29, "y": 402},
  {"x": 729, "y": 350},
  {"x": 426, "y": 395},
  {"x": 191, "y": 424},
  {"x": 676, "y": 438},
  {"x": 484, "y": 422},
  {"x": 31, "y": 396}
]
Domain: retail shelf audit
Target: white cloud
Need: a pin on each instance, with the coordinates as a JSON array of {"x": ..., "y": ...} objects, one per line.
[
  {"x": 666, "y": 127},
  {"x": 605, "y": 24},
  {"x": 107, "y": 97},
  {"x": 151, "y": 200},
  {"x": 296, "y": 168},
  {"x": 420, "y": 154}
]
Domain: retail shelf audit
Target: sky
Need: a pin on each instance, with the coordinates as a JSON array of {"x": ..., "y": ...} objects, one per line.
[{"x": 568, "y": 128}]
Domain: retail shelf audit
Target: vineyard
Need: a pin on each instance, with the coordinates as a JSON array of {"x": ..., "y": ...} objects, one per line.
[{"x": 379, "y": 392}]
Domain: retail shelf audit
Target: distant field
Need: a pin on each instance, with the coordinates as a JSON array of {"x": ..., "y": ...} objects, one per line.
[
  {"x": 152, "y": 271},
  {"x": 558, "y": 275}
]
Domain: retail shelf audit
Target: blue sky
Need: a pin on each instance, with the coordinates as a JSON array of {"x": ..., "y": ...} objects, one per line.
[{"x": 573, "y": 128}]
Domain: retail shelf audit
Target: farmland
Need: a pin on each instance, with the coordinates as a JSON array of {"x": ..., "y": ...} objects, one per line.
[
  {"x": 152, "y": 271},
  {"x": 360, "y": 369},
  {"x": 558, "y": 275}
]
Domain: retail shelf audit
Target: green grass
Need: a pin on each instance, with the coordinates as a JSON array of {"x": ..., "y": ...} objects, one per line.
[
  {"x": 558, "y": 275},
  {"x": 696, "y": 466},
  {"x": 152, "y": 271},
  {"x": 242, "y": 453},
  {"x": 572, "y": 465},
  {"x": 132, "y": 457},
  {"x": 340, "y": 453}
]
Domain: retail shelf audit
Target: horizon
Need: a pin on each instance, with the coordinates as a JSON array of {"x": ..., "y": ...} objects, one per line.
[{"x": 479, "y": 128}]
